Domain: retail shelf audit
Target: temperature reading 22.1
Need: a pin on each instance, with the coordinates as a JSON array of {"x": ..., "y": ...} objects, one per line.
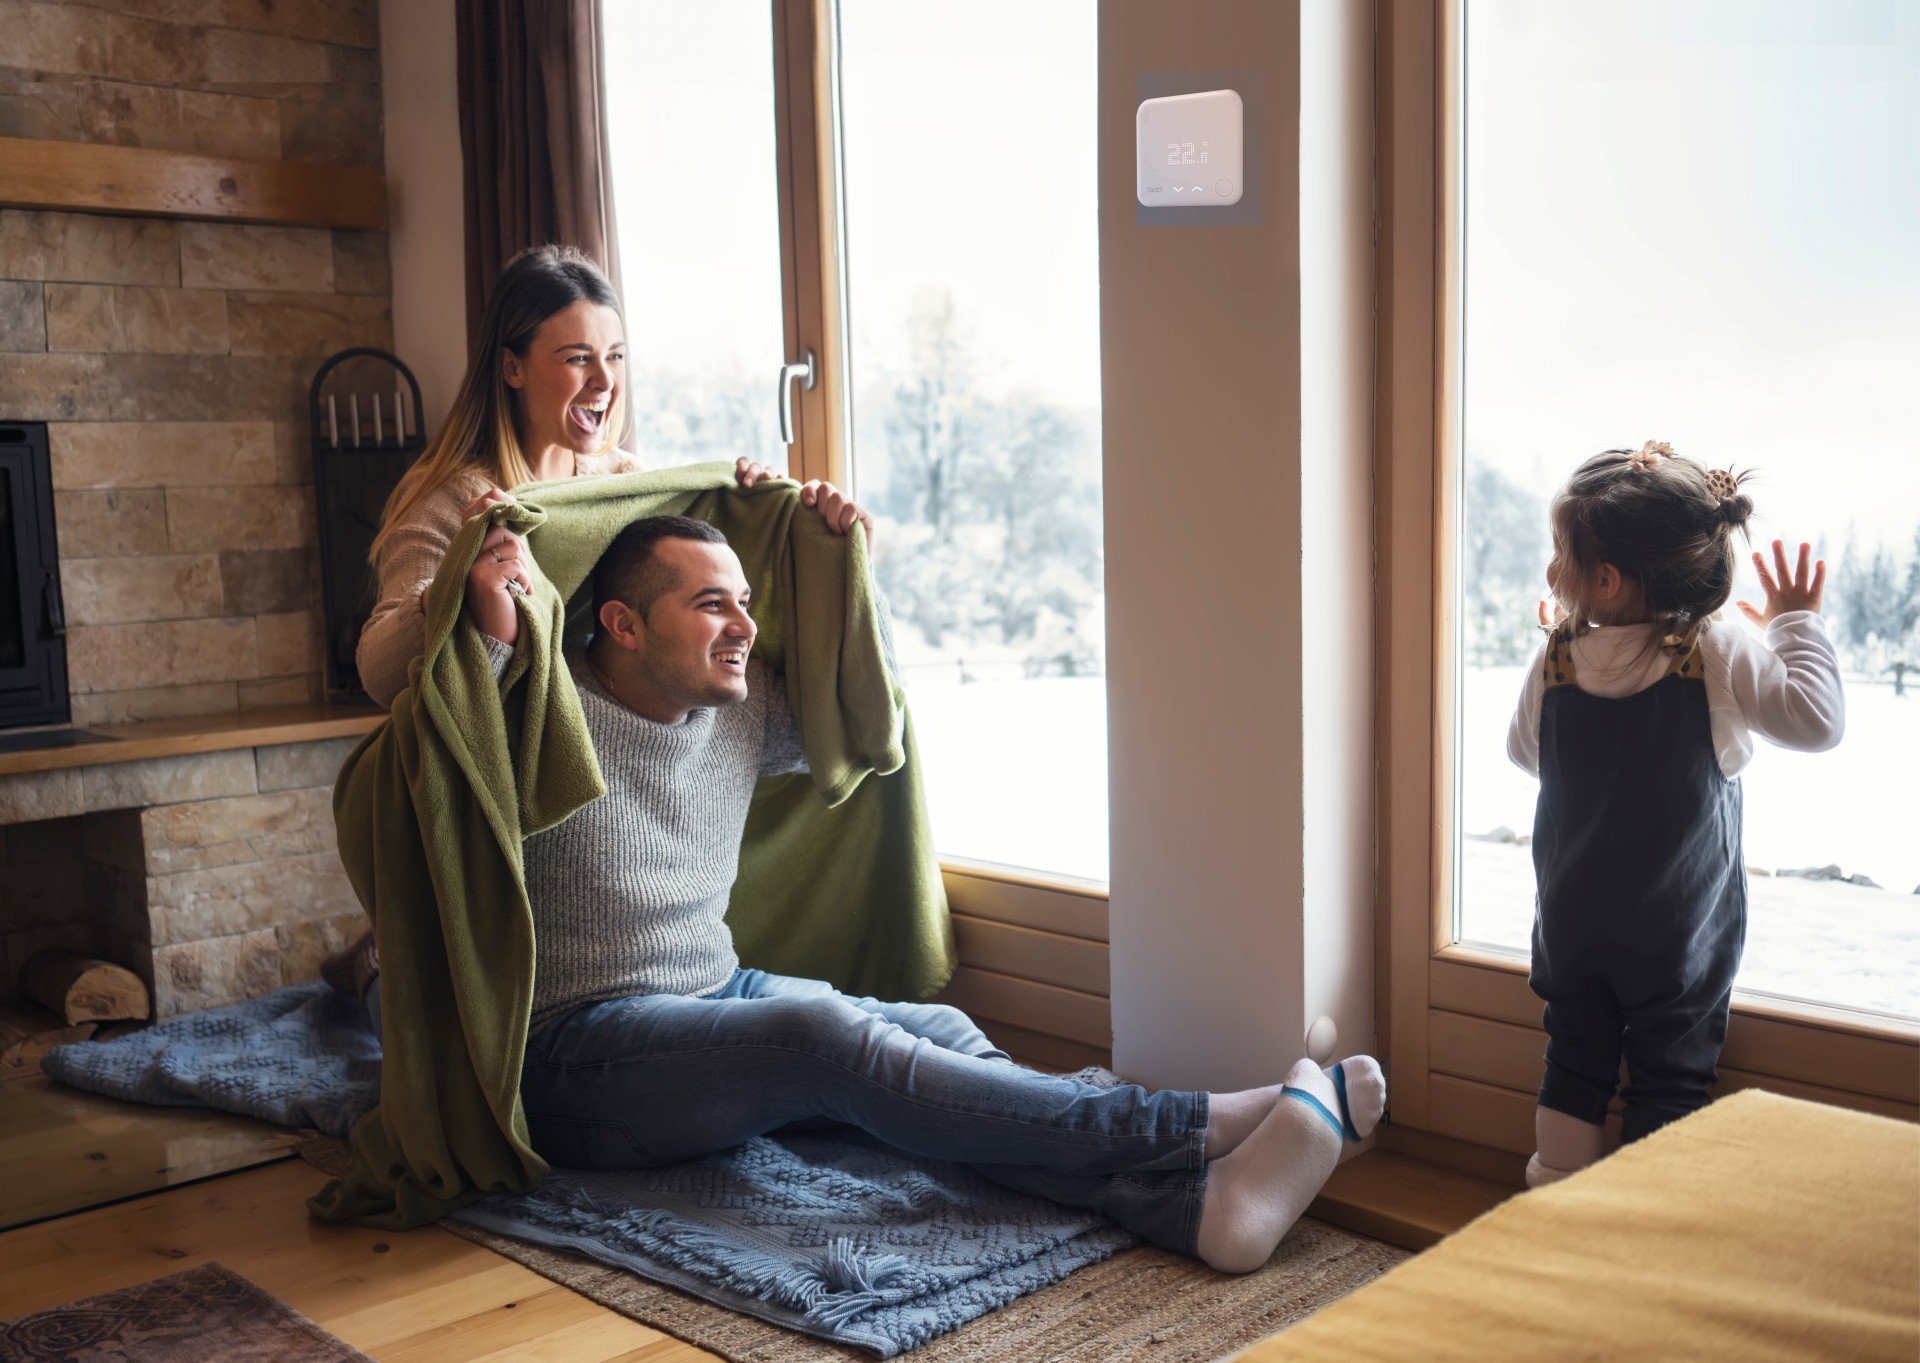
[{"x": 1183, "y": 154}]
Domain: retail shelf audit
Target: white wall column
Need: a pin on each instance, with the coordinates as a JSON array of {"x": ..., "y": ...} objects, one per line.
[
  {"x": 1239, "y": 708},
  {"x": 1336, "y": 492}
]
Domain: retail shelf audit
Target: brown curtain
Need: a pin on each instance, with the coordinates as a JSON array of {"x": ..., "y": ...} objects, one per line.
[{"x": 533, "y": 134}]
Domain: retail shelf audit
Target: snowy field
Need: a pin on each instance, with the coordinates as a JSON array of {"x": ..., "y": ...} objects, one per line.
[
  {"x": 1046, "y": 811},
  {"x": 1855, "y": 807},
  {"x": 1806, "y": 939}
]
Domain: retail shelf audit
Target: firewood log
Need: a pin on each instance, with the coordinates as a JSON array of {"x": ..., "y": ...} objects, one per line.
[{"x": 80, "y": 989}]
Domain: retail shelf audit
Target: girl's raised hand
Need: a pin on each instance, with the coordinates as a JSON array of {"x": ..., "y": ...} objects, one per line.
[{"x": 1797, "y": 591}]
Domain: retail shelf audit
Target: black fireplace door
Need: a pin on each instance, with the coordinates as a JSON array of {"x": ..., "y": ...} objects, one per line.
[{"x": 33, "y": 649}]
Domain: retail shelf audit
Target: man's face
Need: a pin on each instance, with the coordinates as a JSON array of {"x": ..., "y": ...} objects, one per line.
[{"x": 694, "y": 638}]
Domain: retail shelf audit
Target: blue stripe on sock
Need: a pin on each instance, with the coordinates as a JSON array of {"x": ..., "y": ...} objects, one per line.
[
  {"x": 1288, "y": 1091},
  {"x": 1346, "y": 1115}
]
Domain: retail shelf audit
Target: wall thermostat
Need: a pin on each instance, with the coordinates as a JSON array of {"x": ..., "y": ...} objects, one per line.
[{"x": 1189, "y": 150}]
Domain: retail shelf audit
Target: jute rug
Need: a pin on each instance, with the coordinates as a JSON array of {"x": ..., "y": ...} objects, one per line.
[
  {"x": 205, "y": 1313},
  {"x": 1141, "y": 1306}
]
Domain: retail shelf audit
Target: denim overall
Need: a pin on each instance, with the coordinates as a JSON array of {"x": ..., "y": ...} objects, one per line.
[{"x": 1642, "y": 908}]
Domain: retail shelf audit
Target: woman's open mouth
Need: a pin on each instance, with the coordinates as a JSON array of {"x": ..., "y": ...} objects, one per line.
[{"x": 588, "y": 417}]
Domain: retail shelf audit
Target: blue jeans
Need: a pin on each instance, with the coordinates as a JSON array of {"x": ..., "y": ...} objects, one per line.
[{"x": 657, "y": 1078}]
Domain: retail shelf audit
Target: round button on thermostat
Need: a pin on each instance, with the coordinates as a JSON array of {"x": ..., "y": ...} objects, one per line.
[{"x": 1223, "y": 188}]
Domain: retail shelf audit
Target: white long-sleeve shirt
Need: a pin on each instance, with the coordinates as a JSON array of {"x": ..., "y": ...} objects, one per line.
[{"x": 1786, "y": 689}]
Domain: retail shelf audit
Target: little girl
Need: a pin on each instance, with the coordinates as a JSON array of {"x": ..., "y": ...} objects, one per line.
[{"x": 1637, "y": 717}]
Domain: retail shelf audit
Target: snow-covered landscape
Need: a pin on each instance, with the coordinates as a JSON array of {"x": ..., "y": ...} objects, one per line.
[
  {"x": 1856, "y": 808},
  {"x": 1833, "y": 942},
  {"x": 1049, "y": 809}
]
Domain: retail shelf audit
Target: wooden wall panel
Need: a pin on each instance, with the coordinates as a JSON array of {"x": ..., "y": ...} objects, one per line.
[
  {"x": 1068, "y": 1013},
  {"x": 1480, "y": 1113},
  {"x": 1504, "y": 1056},
  {"x": 1070, "y": 962},
  {"x": 983, "y": 893},
  {"x": 94, "y": 178}
]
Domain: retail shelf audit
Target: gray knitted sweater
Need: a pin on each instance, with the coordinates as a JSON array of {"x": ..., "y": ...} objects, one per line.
[{"x": 630, "y": 894}]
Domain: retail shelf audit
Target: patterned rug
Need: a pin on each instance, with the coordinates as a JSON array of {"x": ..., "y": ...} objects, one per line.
[
  {"x": 204, "y": 1314},
  {"x": 1140, "y": 1306}
]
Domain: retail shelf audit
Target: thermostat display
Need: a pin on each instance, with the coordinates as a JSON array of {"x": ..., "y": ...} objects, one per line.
[{"x": 1188, "y": 150}]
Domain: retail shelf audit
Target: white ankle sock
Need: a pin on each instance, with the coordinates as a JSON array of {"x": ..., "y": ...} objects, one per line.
[
  {"x": 1540, "y": 1175},
  {"x": 1366, "y": 1098},
  {"x": 1232, "y": 1117},
  {"x": 1255, "y": 1194}
]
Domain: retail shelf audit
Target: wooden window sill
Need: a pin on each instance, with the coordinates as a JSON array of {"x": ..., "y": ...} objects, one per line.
[{"x": 1402, "y": 1200}]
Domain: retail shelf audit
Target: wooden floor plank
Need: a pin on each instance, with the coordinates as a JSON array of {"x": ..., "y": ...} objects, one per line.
[
  {"x": 665, "y": 1350},
  {"x": 547, "y": 1314},
  {"x": 62, "y": 1150},
  {"x": 422, "y": 1296},
  {"x": 472, "y": 1290}
]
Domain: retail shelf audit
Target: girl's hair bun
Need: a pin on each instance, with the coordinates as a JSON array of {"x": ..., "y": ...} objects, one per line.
[{"x": 1733, "y": 505}]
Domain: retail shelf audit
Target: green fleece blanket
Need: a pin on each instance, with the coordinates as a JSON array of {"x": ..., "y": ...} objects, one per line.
[{"x": 838, "y": 877}]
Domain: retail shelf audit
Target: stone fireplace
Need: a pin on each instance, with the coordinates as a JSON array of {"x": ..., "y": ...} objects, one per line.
[
  {"x": 213, "y": 876},
  {"x": 166, "y": 353}
]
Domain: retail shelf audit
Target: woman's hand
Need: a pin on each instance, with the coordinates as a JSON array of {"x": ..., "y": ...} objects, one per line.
[
  {"x": 1795, "y": 592},
  {"x": 835, "y": 508},
  {"x": 747, "y": 473},
  {"x": 497, "y": 576},
  {"x": 479, "y": 504}
]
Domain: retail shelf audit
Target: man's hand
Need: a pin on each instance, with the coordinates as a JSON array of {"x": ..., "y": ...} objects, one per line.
[
  {"x": 1787, "y": 592},
  {"x": 497, "y": 576},
  {"x": 747, "y": 473},
  {"x": 835, "y": 508}
]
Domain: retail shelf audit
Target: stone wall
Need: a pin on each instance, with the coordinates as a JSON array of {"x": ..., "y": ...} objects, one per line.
[
  {"x": 171, "y": 358},
  {"x": 214, "y": 877}
]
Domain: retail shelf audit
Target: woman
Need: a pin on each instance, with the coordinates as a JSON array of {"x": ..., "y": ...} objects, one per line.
[{"x": 545, "y": 399}]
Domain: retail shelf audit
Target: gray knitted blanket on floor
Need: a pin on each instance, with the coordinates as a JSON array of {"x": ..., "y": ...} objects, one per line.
[
  {"x": 304, "y": 1056},
  {"x": 830, "y": 1233}
]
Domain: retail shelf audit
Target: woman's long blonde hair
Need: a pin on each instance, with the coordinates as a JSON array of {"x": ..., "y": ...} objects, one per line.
[{"x": 479, "y": 435}]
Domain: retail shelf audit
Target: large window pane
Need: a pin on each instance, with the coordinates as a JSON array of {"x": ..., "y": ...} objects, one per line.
[
  {"x": 1696, "y": 221},
  {"x": 970, "y": 164},
  {"x": 696, "y": 198}
]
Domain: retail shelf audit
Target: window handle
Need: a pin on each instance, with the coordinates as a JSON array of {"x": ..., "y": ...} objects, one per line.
[{"x": 804, "y": 370}]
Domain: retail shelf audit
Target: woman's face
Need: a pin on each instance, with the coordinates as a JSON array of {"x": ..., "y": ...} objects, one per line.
[{"x": 565, "y": 386}]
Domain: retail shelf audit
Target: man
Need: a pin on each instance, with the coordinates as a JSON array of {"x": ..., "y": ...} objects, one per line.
[{"x": 651, "y": 1044}]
